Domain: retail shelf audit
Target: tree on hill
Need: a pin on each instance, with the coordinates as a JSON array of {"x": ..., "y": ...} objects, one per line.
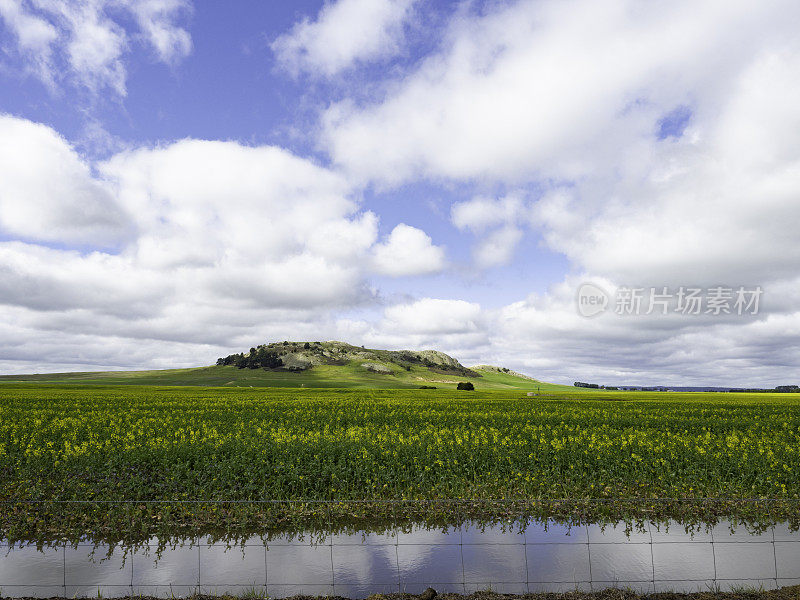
[
  {"x": 261, "y": 358},
  {"x": 581, "y": 384}
]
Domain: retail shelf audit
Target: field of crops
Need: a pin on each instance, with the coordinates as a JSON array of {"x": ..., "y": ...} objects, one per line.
[{"x": 145, "y": 443}]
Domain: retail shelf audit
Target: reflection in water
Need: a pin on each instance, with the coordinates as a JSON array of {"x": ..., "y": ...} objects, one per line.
[{"x": 540, "y": 556}]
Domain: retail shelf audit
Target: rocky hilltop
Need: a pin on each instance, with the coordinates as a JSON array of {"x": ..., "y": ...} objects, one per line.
[{"x": 302, "y": 356}]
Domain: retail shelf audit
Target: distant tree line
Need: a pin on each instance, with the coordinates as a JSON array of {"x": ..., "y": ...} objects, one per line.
[
  {"x": 581, "y": 384},
  {"x": 262, "y": 358},
  {"x": 781, "y": 389}
]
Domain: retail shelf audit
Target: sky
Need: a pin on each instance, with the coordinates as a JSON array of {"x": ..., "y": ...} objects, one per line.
[{"x": 182, "y": 180}]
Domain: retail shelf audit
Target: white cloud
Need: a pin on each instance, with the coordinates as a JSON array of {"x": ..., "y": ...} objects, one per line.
[
  {"x": 482, "y": 213},
  {"x": 156, "y": 19},
  {"x": 214, "y": 245},
  {"x": 568, "y": 98},
  {"x": 183, "y": 335},
  {"x": 94, "y": 46},
  {"x": 433, "y": 316},
  {"x": 551, "y": 89},
  {"x": 47, "y": 192},
  {"x": 497, "y": 248},
  {"x": 546, "y": 337},
  {"x": 408, "y": 251},
  {"x": 495, "y": 220},
  {"x": 247, "y": 224},
  {"x": 718, "y": 205},
  {"x": 82, "y": 42},
  {"x": 34, "y": 36},
  {"x": 345, "y": 32},
  {"x": 457, "y": 327},
  {"x": 47, "y": 279}
]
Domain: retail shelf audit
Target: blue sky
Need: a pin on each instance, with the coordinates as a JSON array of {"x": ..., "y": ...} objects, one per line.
[
  {"x": 230, "y": 87},
  {"x": 226, "y": 88},
  {"x": 180, "y": 179}
]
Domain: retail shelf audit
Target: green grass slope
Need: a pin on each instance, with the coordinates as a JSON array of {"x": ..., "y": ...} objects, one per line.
[
  {"x": 494, "y": 379},
  {"x": 350, "y": 375}
]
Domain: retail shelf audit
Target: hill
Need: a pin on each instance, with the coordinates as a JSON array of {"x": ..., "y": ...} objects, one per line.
[{"x": 316, "y": 365}]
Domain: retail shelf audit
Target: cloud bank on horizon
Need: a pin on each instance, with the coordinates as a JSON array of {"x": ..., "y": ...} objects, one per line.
[{"x": 179, "y": 182}]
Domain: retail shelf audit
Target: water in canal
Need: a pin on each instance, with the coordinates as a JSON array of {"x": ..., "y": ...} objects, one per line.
[{"x": 542, "y": 556}]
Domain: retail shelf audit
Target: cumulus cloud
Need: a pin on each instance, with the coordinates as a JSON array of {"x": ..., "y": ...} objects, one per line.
[
  {"x": 433, "y": 316},
  {"x": 49, "y": 279},
  {"x": 551, "y": 89},
  {"x": 652, "y": 155},
  {"x": 88, "y": 42},
  {"x": 408, "y": 251},
  {"x": 497, "y": 248},
  {"x": 185, "y": 334},
  {"x": 457, "y": 327},
  {"x": 199, "y": 201},
  {"x": 344, "y": 33},
  {"x": 544, "y": 336},
  {"x": 244, "y": 224},
  {"x": 719, "y": 204},
  {"x": 47, "y": 192},
  {"x": 211, "y": 244},
  {"x": 552, "y": 341},
  {"x": 572, "y": 98},
  {"x": 495, "y": 220}
]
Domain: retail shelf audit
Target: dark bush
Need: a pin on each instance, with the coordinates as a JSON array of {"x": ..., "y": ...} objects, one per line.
[
  {"x": 427, "y": 387},
  {"x": 465, "y": 385}
]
